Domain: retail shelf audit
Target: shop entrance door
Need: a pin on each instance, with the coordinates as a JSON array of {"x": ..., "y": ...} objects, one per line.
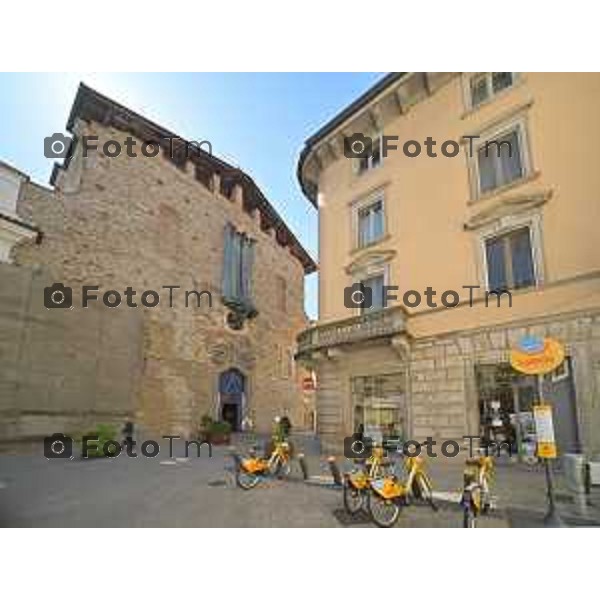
[
  {"x": 559, "y": 389},
  {"x": 232, "y": 385}
]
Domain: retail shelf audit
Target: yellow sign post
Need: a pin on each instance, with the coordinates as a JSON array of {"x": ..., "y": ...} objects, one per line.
[
  {"x": 544, "y": 431},
  {"x": 538, "y": 356}
]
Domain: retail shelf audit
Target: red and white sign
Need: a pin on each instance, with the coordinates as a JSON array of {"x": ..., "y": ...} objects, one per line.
[{"x": 309, "y": 384}]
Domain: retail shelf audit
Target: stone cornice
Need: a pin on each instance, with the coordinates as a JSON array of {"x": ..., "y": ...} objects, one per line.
[
  {"x": 390, "y": 97},
  {"x": 508, "y": 206},
  {"x": 370, "y": 259}
]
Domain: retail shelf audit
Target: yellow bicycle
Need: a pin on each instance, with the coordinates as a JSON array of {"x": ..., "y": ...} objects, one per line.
[
  {"x": 389, "y": 494},
  {"x": 476, "y": 497},
  {"x": 252, "y": 469},
  {"x": 357, "y": 482}
]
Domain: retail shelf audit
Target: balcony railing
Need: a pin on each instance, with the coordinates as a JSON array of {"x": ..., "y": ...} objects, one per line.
[{"x": 381, "y": 323}]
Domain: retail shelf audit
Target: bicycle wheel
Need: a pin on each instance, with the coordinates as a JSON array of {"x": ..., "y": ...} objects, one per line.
[
  {"x": 276, "y": 469},
  {"x": 486, "y": 501},
  {"x": 469, "y": 520},
  {"x": 246, "y": 480},
  {"x": 471, "y": 502},
  {"x": 353, "y": 498},
  {"x": 285, "y": 468},
  {"x": 384, "y": 512}
]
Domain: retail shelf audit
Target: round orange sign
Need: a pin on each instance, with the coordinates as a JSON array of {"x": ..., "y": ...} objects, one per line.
[{"x": 537, "y": 356}]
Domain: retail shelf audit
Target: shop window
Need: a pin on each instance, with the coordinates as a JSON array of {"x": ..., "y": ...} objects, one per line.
[
  {"x": 379, "y": 406},
  {"x": 506, "y": 401}
]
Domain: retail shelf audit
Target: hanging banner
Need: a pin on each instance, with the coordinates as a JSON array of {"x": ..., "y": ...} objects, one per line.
[
  {"x": 544, "y": 431},
  {"x": 537, "y": 356}
]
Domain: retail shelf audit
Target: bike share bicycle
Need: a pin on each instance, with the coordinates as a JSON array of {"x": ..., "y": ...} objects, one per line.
[
  {"x": 476, "y": 497},
  {"x": 252, "y": 469}
]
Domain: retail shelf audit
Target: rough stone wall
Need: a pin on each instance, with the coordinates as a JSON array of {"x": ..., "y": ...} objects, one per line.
[
  {"x": 143, "y": 222},
  {"x": 61, "y": 370}
]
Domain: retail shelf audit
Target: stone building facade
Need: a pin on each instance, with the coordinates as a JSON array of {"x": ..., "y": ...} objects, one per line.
[
  {"x": 147, "y": 222},
  {"x": 12, "y": 228},
  {"x": 505, "y": 222}
]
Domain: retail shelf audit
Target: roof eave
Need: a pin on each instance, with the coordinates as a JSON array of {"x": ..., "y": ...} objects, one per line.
[
  {"x": 90, "y": 105},
  {"x": 344, "y": 115}
]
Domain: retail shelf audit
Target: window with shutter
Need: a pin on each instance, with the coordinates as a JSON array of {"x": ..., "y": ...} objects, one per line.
[
  {"x": 238, "y": 265},
  {"x": 500, "y": 160},
  {"x": 510, "y": 260},
  {"x": 371, "y": 225},
  {"x": 485, "y": 86}
]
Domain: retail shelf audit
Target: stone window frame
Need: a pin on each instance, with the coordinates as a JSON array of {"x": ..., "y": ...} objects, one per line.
[
  {"x": 382, "y": 275},
  {"x": 518, "y": 122},
  {"x": 238, "y": 273},
  {"x": 369, "y": 271},
  {"x": 370, "y": 264},
  {"x": 467, "y": 79},
  {"x": 505, "y": 225},
  {"x": 361, "y": 203}
]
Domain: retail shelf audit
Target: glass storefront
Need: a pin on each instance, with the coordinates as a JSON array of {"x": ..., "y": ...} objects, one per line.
[
  {"x": 506, "y": 400},
  {"x": 379, "y": 405}
]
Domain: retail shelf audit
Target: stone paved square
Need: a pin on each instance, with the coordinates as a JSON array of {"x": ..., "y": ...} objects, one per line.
[{"x": 201, "y": 492}]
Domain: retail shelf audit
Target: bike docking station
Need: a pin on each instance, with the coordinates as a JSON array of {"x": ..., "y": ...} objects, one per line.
[
  {"x": 333, "y": 481},
  {"x": 540, "y": 356}
]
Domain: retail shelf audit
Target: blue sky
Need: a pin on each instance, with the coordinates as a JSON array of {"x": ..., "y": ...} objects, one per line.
[{"x": 257, "y": 120}]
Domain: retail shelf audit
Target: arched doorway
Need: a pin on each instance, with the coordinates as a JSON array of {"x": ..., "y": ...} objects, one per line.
[{"x": 232, "y": 388}]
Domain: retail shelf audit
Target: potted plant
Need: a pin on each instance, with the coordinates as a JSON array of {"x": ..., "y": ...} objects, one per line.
[
  {"x": 104, "y": 433},
  {"x": 219, "y": 432},
  {"x": 205, "y": 424}
]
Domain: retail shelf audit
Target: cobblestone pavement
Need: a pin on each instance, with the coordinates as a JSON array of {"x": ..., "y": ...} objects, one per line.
[{"x": 200, "y": 492}]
